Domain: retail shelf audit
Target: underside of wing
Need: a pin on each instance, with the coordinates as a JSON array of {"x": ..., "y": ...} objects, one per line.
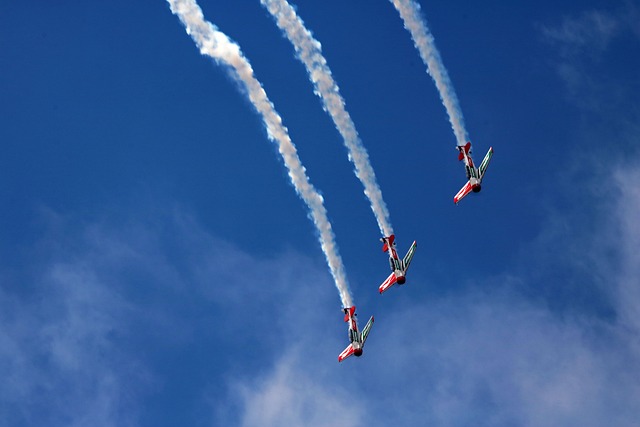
[
  {"x": 485, "y": 162},
  {"x": 463, "y": 192},
  {"x": 367, "y": 328},
  {"x": 409, "y": 256},
  {"x": 346, "y": 353},
  {"x": 391, "y": 280}
]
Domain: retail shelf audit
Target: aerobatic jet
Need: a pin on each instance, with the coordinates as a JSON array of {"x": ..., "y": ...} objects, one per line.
[
  {"x": 357, "y": 338},
  {"x": 398, "y": 266},
  {"x": 474, "y": 174}
]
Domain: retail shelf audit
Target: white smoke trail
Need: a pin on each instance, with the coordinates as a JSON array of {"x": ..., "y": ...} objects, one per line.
[
  {"x": 219, "y": 47},
  {"x": 309, "y": 52},
  {"x": 424, "y": 42}
]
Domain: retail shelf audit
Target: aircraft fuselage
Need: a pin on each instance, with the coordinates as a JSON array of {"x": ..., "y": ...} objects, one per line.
[
  {"x": 398, "y": 270},
  {"x": 354, "y": 334},
  {"x": 395, "y": 262},
  {"x": 472, "y": 172}
]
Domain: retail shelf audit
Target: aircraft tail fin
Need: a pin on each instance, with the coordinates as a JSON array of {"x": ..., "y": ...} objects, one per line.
[
  {"x": 388, "y": 242},
  {"x": 348, "y": 312},
  {"x": 466, "y": 149}
]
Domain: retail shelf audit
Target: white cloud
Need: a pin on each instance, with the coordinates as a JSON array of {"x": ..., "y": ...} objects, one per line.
[
  {"x": 79, "y": 345},
  {"x": 292, "y": 395},
  {"x": 626, "y": 214},
  {"x": 581, "y": 46},
  {"x": 589, "y": 33},
  {"x": 499, "y": 360},
  {"x": 61, "y": 356},
  {"x": 491, "y": 355}
]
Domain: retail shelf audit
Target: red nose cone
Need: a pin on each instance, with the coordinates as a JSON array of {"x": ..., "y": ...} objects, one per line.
[
  {"x": 357, "y": 352},
  {"x": 476, "y": 188},
  {"x": 401, "y": 280}
]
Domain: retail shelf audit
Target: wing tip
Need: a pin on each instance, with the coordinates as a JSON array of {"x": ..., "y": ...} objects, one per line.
[{"x": 345, "y": 353}]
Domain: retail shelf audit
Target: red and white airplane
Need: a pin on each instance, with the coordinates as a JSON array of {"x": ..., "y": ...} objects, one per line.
[
  {"x": 474, "y": 175},
  {"x": 398, "y": 266},
  {"x": 357, "y": 338}
]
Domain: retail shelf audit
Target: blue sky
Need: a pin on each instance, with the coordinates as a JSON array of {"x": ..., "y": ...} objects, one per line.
[{"x": 158, "y": 269}]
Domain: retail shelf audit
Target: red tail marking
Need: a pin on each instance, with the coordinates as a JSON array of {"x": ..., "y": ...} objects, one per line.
[
  {"x": 388, "y": 242},
  {"x": 466, "y": 149},
  {"x": 348, "y": 312}
]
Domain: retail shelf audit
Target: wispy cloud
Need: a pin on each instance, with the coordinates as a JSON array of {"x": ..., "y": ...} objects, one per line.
[
  {"x": 119, "y": 307},
  {"x": 61, "y": 356},
  {"x": 627, "y": 291},
  {"x": 589, "y": 33},
  {"x": 489, "y": 354},
  {"x": 82, "y": 348},
  {"x": 580, "y": 44},
  {"x": 291, "y": 396}
]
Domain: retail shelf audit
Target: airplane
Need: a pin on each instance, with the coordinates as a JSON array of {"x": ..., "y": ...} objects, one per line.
[
  {"x": 398, "y": 266},
  {"x": 357, "y": 338},
  {"x": 474, "y": 174}
]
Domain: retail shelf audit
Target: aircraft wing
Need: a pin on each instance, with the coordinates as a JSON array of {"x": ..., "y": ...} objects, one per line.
[
  {"x": 346, "y": 353},
  {"x": 463, "y": 192},
  {"x": 485, "y": 162},
  {"x": 367, "y": 328},
  {"x": 391, "y": 280},
  {"x": 409, "y": 256}
]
